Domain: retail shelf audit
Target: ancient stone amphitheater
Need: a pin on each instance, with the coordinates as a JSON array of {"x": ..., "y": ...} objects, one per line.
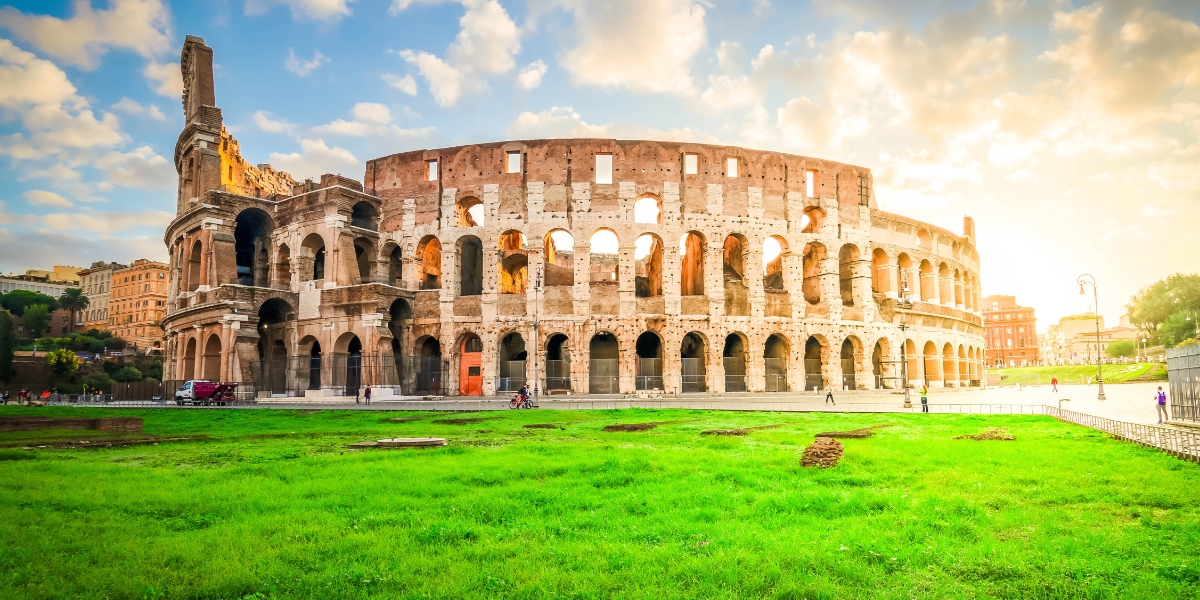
[{"x": 586, "y": 265}]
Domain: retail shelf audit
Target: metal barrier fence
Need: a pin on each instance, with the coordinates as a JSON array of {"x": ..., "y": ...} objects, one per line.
[
  {"x": 1183, "y": 379},
  {"x": 735, "y": 373}
]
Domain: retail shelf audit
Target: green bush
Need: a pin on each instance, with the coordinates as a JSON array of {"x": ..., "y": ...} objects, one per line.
[
  {"x": 1121, "y": 349},
  {"x": 1187, "y": 342},
  {"x": 45, "y": 343},
  {"x": 82, "y": 342},
  {"x": 96, "y": 346},
  {"x": 110, "y": 367},
  {"x": 114, "y": 343},
  {"x": 37, "y": 317},
  {"x": 154, "y": 371},
  {"x": 127, "y": 375},
  {"x": 64, "y": 342}
]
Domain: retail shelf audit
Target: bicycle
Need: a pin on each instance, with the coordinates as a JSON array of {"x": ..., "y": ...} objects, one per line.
[{"x": 518, "y": 402}]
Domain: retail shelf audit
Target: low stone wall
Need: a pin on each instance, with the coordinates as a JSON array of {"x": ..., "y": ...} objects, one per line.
[{"x": 120, "y": 424}]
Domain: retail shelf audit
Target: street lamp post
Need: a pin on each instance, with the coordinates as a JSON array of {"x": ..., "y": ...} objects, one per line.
[
  {"x": 537, "y": 287},
  {"x": 904, "y": 343},
  {"x": 1096, "y": 303}
]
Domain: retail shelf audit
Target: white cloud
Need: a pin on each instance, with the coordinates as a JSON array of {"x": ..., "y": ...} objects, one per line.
[
  {"x": 267, "y": 123},
  {"x": 142, "y": 168},
  {"x": 531, "y": 76},
  {"x": 405, "y": 84},
  {"x": 167, "y": 79},
  {"x": 304, "y": 10},
  {"x": 44, "y": 198},
  {"x": 640, "y": 45},
  {"x": 59, "y": 173},
  {"x": 28, "y": 80},
  {"x": 563, "y": 121},
  {"x": 316, "y": 160},
  {"x": 1021, "y": 177},
  {"x": 142, "y": 26},
  {"x": 485, "y": 45},
  {"x": 372, "y": 119},
  {"x": 303, "y": 67},
  {"x": 104, "y": 222},
  {"x": 131, "y": 107}
]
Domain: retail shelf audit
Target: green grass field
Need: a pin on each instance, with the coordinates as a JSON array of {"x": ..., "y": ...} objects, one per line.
[
  {"x": 274, "y": 505},
  {"x": 1131, "y": 373}
]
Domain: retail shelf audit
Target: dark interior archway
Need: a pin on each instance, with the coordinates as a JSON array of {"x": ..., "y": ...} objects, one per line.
[
  {"x": 775, "y": 355},
  {"x": 650, "y": 362},
  {"x": 604, "y": 366},
  {"x": 558, "y": 363}
]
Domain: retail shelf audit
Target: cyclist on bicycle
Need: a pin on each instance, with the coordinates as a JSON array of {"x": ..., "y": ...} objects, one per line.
[{"x": 522, "y": 396}]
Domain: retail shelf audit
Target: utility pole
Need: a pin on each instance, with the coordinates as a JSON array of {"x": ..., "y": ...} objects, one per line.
[
  {"x": 537, "y": 287},
  {"x": 1096, "y": 300}
]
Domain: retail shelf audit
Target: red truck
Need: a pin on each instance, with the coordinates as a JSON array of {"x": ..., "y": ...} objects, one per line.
[{"x": 203, "y": 391}]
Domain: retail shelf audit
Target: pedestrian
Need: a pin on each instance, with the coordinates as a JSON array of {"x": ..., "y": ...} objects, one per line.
[
  {"x": 356, "y": 395},
  {"x": 1054, "y": 384},
  {"x": 1161, "y": 406},
  {"x": 924, "y": 398},
  {"x": 22, "y": 397},
  {"x": 4, "y": 397},
  {"x": 367, "y": 394},
  {"x": 829, "y": 395}
]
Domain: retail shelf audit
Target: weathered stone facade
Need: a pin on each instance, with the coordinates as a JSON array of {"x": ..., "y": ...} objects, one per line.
[{"x": 755, "y": 271}]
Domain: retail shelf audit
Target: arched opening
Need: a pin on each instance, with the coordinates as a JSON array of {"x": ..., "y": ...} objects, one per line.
[
  {"x": 814, "y": 255},
  {"x": 347, "y": 364},
  {"x": 400, "y": 326},
  {"x": 429, "y": 273},
  {"x": 560, "y": 259},
  {"x": 188, "y": 368},
  {"x": 272, "y": 331},
  {"x": 514, "y": 263},
  {"x": 733, "y": 269},
  {"x": 812, "y": 220},
  {"x": 212, "y": 358},
  {"x": 308, "y": 369},
  {"x": 775, "y": 353},
  {"x": 924, "y": 240},
  {"x": 193, "y": 266},
  {"x": 877, "y": 358},
  {"x": 880, "y": 281},
  {"x": 395, "y": 274},
  {"x": 468, "y": 212},
  {"x": 814, "y": 350},
  {"x": 429, "y": 377},
  {"x": 470, "y": 266},
  {"x": 849, "y": 379},
  {"x": 958, "y": 289},
  {"x": 964, "y": 369},
  {"x": 774, "y": 249},
  {"x": 949, "y": 366},
  {"x": 283, "y": 267},
  {"x": 693, "y": 371},
  {"x": 251, "y": 238},
  {"x": 847, "y": 259},
  {"x": 912, "y": 363},
  {"x": 603, "y": 257},
  {"x": 364, "y": 255},
  {"x": 558, "y": 363},
  {"x": 932, "y": 364},
  {"x": 604, "y": 364},
  {"x": 945, "y": 284},
  {"x": 470, "y": 366},
  {"x": 691, "y": 273},
  {"x": 648, "y": 257},
  {"x": 364, "y": 215},
  {"x": 908, "y": 287},
  {"x": 928, "y": 282},
  {"x": 512, "y": 358},
  {"x": 733, "y": 358},
  {"x": 650, "y": 358},
  {"x": 312, "y": 251},
  {"x": 648, "y": 209}
]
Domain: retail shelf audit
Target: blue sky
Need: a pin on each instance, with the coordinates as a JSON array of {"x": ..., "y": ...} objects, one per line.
[{"x": 1067, "y": 130}]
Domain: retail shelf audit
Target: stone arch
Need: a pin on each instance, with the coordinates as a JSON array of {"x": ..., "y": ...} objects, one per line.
[
  {"x": 513, "y": 359},
  {"x": 558, "y": 362},
  {"x": 964, "y": 367},
  {"x": 514, "y": 263},
  {"x": 924, "y": 240},
  {"x": 814, "y": 255},
  {"x": 347, "y": 363},
  {"x": 429, "y": 266},
  {"x": 903, "y": 280},
  {"x": 945, "y": 284},
  {"x": 949, "y": 366},
  {"x": 470, "y": 266},
  {"x": 733, "y": 358},
  {"x": 469, "y": 212},
  {"x": 693, "y": 355},
  {"x": 212, "y": 358},
  {"x": 364, "y": 215},
  {"x": 470, "y": 364},
  {"x": 850, "y": 354},
  {"x": 848, "y": 257},
  {"x": 188, "y": 368},
  {"x": 395, "y": 263},
  {"x": 312, "y": 251},
  {"x": 364, "y": 257},
  {"x": 928, "y": 282},
  {"x": 400, "y": 324},
  {"x": 649, "y": 350},
  {"x": 559, "y": 247},
  {"x": 194, "y": 274},
  {"x": 932, "y": 364},
  {"x": 775, "y": 248},
  {"x": 881, "y": 283},
  {"x": 603, "y": 256},
  {"x": 272, "y": 315},
  {"x": 812, "y": 220},
  {"x": 309, "y": 351},
  {"x": 912, "y": 363},
  {"x": 648, "y": 209},
  {"x": 252, "y": 239},
  {"x": 958, "y": 289},
  {"x": 429, "y": 360},
  {"x": 777, "y": 353},
  {"x": 604, "y": 363},
  {"x": 283, "y": 267},
  {"x": 733, "y": 270},
  {"x": 692, "y": 249},
  {"x": 815, "y": 349},
  {"x": 648, "y": 266},
  {"x": 881, "y": 370}
]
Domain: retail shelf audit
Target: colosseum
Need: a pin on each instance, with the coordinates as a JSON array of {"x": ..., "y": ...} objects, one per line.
[{"x": 581, "y": 266}]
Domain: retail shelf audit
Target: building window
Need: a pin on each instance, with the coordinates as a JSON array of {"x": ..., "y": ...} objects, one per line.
[
  {"x": 731, "y": 166},
  {"x": 864, "y": 189},
  {"x": 604, "y": 165},
  {"x": 810, "y": 183},
  {"x": 691, "y": 164},
  {"x": 431, "y": 170},
  {"x": 514, "y": 162}
]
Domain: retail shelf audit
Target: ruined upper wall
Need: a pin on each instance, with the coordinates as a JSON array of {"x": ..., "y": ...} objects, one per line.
[{"x": 196, "y": 64}]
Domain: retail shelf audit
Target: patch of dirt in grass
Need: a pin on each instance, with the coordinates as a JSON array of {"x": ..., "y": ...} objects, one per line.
[
  {"x": 105, "y": 442},
  {"x": 739, "y": 432},
  {"x": 865, "y": 432},
  {"x": 543, "y": 426},
  {"x": 823, "y": 452},
  {"x": 465, "y": 421},
  {"x": 403, "y": 419},
  {"x": 995, "y": 433},
  {"x": 638, "y": 426}
]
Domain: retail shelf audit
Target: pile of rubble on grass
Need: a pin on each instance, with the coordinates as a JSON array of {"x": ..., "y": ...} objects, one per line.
[{"x": 824, "y": 452}]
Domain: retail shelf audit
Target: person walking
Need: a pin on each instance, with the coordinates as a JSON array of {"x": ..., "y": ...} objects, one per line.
[
  {"x": 1160, "y": 406},
  {"x": 357, "y": 391},
  {"x": 924, "y": 398},
  {"x": 367, "y": 394},
  {"x": 829, "y": 395},
  {"x": 1054, "y": 384}
]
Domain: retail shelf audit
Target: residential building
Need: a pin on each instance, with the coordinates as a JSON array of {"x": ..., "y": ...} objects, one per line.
[
  {"x": 60, "y": 321},
  {"x": 96, "y": 282},
  {"x": 1073, "y": 340},
  {"x": 51, "y": 283},
  {"x": 136, "y": 303},
  {"x": 1010, "y": 332}
]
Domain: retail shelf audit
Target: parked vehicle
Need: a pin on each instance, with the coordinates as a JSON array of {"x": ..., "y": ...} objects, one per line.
[{"x": 203, "y": 391}]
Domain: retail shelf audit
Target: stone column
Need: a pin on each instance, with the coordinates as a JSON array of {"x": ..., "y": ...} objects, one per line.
[
  {"x": 889, "y": 275},
  {"x": 714, "y": 277},
  {"x": 831, "y": 366},
  {"x": 931, "y": 279},
  {"x": 672, "y": 300},
  {"x": 831, "y": 293},
  {"x": 581, "y": 291},
  {"x": 626, "y": 286},
  {"x": 752, "y": 259},
  {"x": 793, "y": 282}
]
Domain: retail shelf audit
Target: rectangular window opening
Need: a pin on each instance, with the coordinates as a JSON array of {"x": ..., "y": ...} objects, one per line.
[
  {"x": 431, "y": 168},
  {"x": 810, "y": 179},
  {"x": 514, "y": 162},
  {"x": 604, "y": 168},
  {"x": 731, "y": 167},
  {"x": 691, "y": 164}
]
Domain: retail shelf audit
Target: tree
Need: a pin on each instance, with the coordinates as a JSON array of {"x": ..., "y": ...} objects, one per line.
[
  {"x": 1121, "y": 349},
  {"x": 1176, "y": 328},
  {"x": 127, "y": 375},
  {"x": 73, "y": 300},
  {"x": 115, "y": 344},
  {"x": 8, "y": 346},
  {"x": 37, "y": 317},
  {"x": 1150, "y": 308},
  {"x": 62, "y": 364},
  {"x": 17, "y": 301}
]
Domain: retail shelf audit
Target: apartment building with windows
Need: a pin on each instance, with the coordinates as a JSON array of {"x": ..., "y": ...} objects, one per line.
[
  {"x": 136, "y": 303},
  {"x": 96, "y": 282},
  {"x": 1010, "y": 331}
]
